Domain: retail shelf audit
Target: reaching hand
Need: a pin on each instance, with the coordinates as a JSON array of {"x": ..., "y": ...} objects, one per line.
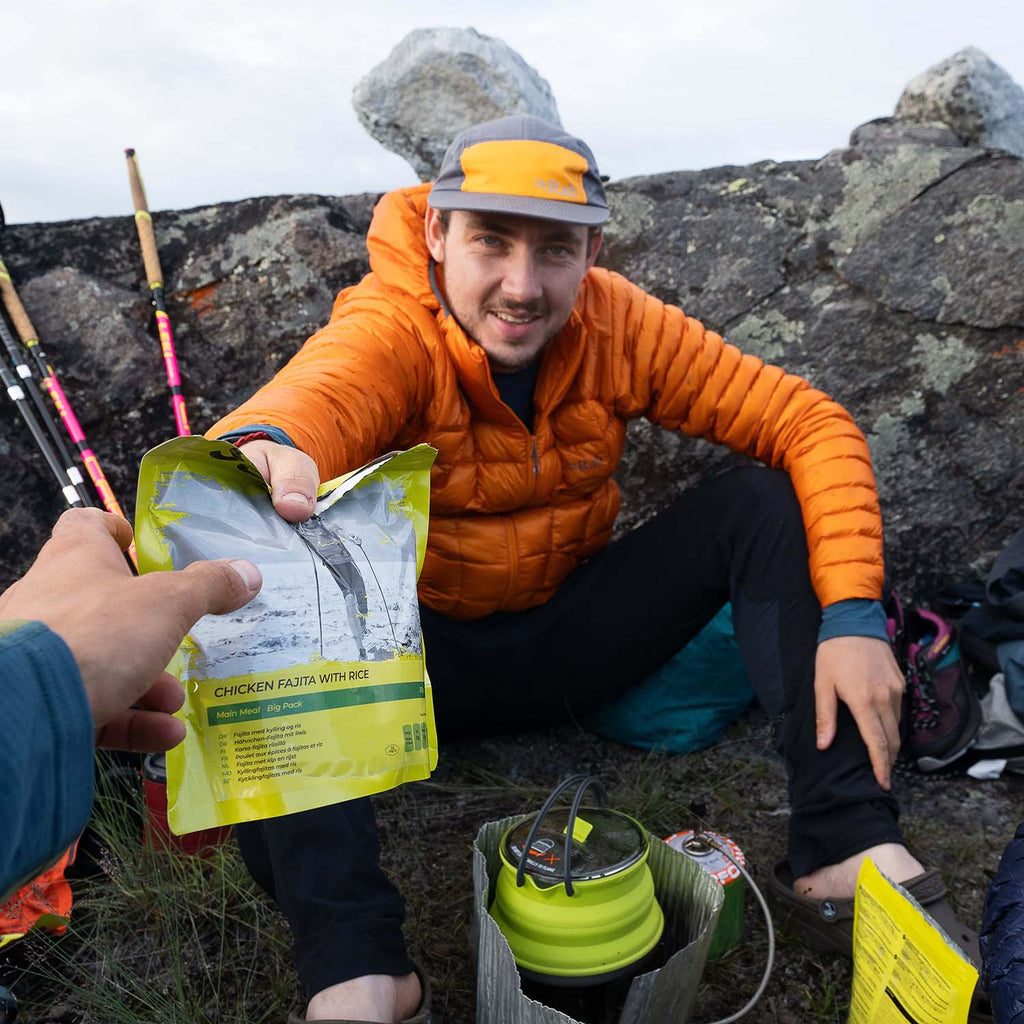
[
  {"x": 123, "y": 630},
  {"x": 862, "y": 672},
  {"x": 292, "y": 475}
]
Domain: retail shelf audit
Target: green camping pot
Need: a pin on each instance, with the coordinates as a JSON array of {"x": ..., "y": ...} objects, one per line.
[{"x": 574, "y": 896}]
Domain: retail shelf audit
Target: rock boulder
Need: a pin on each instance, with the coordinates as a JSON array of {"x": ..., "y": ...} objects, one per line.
[
  {"x": 438, "y": 81},
  {"x": 974, "y": 96}
]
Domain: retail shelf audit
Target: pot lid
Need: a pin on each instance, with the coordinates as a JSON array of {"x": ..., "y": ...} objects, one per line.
[{"x": 605, "y": 842}]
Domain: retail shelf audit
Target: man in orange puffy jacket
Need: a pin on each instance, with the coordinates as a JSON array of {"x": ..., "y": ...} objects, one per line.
[{"x": 486, "y": 330}]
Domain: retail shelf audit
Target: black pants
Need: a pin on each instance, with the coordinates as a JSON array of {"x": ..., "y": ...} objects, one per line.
[{"x": 737, "y": 538}]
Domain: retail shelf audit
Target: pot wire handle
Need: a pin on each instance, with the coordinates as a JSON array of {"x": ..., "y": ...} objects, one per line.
[
  {"x": 535, "y": 828},
  {"x": 570, "y": 827}
]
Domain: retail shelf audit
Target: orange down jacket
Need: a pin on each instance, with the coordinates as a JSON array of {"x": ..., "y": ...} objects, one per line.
[{"x": 513, "y": 513}]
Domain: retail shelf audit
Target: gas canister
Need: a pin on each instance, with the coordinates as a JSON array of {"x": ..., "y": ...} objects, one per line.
[{"x": 716, "y": 863}]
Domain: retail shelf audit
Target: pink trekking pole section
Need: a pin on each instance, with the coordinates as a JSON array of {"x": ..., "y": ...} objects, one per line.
[{"x": 147, "y": 239}]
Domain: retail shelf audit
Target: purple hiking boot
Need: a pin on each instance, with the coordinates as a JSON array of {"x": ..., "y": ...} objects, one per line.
[{"x": 943, "y": 714}]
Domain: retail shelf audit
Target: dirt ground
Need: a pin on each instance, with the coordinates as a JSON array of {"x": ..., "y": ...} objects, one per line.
[{"x": 736, "y": 788}]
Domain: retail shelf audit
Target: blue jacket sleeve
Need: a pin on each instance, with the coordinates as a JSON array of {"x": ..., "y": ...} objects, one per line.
[
  {"x": 46, "y": 757},
  {"x": 1002, "y": 935}
]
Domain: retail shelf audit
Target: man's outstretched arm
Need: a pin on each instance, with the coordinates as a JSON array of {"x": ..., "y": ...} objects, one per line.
[{"x": 683, "y": 376}]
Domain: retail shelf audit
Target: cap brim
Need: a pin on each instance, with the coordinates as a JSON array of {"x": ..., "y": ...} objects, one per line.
[{"x": 523, "y": 206}]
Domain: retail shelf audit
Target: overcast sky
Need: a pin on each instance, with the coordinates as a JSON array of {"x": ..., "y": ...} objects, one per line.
[{"x": 226, "y": 99}]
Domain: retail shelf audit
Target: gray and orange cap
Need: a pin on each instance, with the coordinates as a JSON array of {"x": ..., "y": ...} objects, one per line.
[{"x": 521, "y": 165}]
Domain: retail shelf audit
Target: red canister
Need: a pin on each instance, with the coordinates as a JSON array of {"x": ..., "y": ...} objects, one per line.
[{"x": 155, "y": 831}]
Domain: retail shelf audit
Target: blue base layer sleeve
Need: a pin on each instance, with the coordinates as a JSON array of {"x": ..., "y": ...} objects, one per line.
[
  {"x": 46, "y": 759},
  {"x": 857, "y": 616}
]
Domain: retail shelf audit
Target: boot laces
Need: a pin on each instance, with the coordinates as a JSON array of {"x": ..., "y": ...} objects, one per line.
[{"x": 924, "y": 701}]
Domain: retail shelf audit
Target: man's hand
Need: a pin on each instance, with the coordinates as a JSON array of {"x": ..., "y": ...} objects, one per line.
[
  {"x": 862, "y": 672},
  {"x": 292, "y": 475},
  {"x": 123, "y": 630}
]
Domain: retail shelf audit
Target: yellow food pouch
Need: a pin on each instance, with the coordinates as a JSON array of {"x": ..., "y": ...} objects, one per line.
[
  {"x": 316, "y": 691},
  {"x": 905, "y": 968}
]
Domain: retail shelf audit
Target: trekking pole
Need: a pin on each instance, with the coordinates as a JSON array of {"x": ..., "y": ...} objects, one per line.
[
  {"x": 29, "y": 338},
  {"x": 70, "y": 473},
  {"x": 151, "y": 259},
  {"x": 17, "y": 395}
]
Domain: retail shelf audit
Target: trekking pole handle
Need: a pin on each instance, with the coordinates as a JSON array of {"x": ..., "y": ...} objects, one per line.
[
  {"x": 144, "y": 223},
  {"x": 15, "y": 310}
]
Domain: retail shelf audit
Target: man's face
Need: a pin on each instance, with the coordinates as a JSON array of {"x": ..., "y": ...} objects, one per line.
[{"x": 510, "y": 281}]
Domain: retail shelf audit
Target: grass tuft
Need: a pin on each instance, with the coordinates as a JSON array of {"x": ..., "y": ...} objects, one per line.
[{"x": 157, "y": 937}]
